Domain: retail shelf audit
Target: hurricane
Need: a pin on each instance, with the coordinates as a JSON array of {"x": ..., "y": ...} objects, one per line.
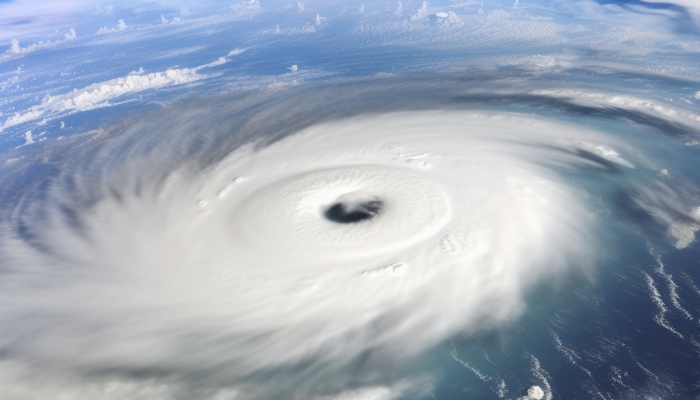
[{"x": 382, "y": 214}]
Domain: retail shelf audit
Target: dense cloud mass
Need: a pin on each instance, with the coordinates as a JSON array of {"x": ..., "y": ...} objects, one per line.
[
  {"x": 433, "y": 200},
  {"x": 244, "y": 237}
]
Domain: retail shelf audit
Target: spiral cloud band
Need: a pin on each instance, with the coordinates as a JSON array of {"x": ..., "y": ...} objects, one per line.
[{"x": 377, "y": 233}]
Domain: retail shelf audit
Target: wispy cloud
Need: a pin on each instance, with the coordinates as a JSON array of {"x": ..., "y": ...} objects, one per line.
[
  {"x": 36, "y": 18},
  {"x": 692, "y": 6}
]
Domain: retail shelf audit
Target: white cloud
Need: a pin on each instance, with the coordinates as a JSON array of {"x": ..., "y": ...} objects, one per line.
[
  {"x": 99, "y": 94},
  {"x": 220, "y": 61},
  {"x": 278, "y": 85},
  {"x": 421, "y": 13},
  {"x": 603, "y": 100},
  {"x": 367, "y": 393},
  {"x": 120, "y": 27},
  {"x": 164, "y": 20},
  {"x": 104, "y": 10},
  {"x": 177, "y": 52},
  {"x": 300, "y": 6},
  {"x": 399, "y": 9},
  {"x": 14, "y": 47},
  {"x": 319, "y": 20},
  {"x": 16, "y": 50},
  {"x": 29, "y": 138},
  {"x": 293, "y": 68},
  {"x": 235, "y": 52},
  {"x": 71, "y": 35},
  {"x": 246, "y": 7},
  {"x": 697, "y": 95}
]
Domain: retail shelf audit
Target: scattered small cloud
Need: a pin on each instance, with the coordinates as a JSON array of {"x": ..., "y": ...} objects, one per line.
[
  {"x": 235, "y": 52},
  {"x": 120, "y": 27},
  {"x": 99, "y": 94},
  {"x": 300, "y": 6},
  {"x": 293, "y": 68},
  {"x": 421, "y": 13},
  {"x": 71, "y": 35},
  {"x": 220, "y": 61},
  {"x": 29, "y": 138},
  {"x": 16, "y": 50},
  {"x": 14, "y": 47},
  {"x": 246, "y": 7},
  {"x": 319, "y": 20},
  {"x": 104, "y": 10},
  {"x": 165, "y": 21},
  {"x": 13, "y": 160},
  {"x": 277, "y": 85},
  {"x": 399, "y": 9}
]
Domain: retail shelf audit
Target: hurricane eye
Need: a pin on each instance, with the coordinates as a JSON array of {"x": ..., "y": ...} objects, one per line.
[{"x": 353, "y": 212}]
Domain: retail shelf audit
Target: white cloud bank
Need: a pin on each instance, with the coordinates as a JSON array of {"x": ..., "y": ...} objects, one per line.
[
  {"x": 604, "y": 100},
  {"x": 99, "y": 94},
  {"x": 16, "y": 50},
  {"x": 286, "y": 300}
]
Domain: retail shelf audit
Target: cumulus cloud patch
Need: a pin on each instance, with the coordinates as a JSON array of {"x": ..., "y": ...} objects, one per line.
[
  {"x": 421, "y": 13},
  {"x": 16, "y": 50},
  {"x": 120, "y": 27},
  {"x": 99, "y": 94}
]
